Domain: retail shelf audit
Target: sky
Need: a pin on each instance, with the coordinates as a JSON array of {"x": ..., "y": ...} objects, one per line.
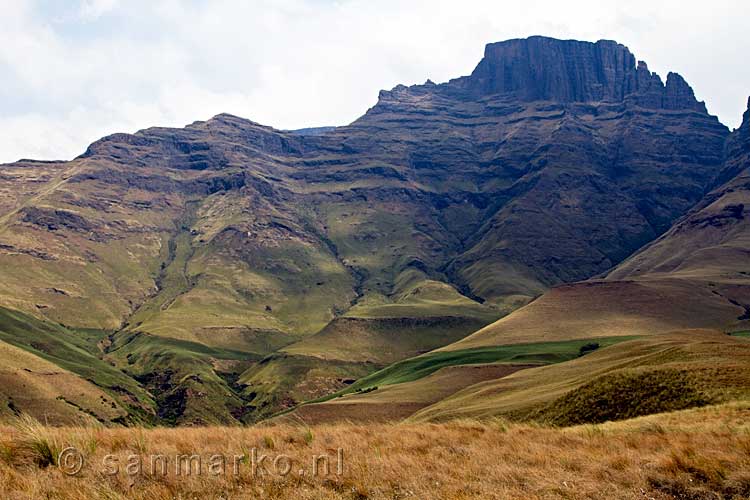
[{"x": 74, "y": 71}]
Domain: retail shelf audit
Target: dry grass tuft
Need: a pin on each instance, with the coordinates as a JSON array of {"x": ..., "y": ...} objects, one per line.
[{"x": 35, "y": 443}]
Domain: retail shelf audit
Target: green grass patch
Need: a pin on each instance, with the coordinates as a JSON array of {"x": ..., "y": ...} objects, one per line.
[{"x": 421, "y": 366}]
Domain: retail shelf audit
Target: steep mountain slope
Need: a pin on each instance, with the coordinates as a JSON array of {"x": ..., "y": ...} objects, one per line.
[
  {"x": 453, "y": 179},
  {"x": 204, "y": 249},
  {"x": 697, "y": 275},
  {"x": 713, "y": 242}
]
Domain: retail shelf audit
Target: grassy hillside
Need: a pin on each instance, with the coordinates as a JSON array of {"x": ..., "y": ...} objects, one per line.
[
  {"x": 75, "y": 351},
  {"x": 282, "y": 381},
  {"x": 421, "y": 366},
  {"x": 402, "y": 388},
  {"x": 611, "y": 308},
  {"x": 33, "y": 386},
  {"x": 191, "y": 382},
  {"x": 558, "y": 382},
  {"x": 384, "y": 340},
  {"x": 89, "y": 246},
  {"x": 240, "y": 274},
  {"x": 418, "y": 316},
  {"x": 396, "y": 402},
  {"x": 155, "y": 379},
  {"x": 651, "y": 374}
]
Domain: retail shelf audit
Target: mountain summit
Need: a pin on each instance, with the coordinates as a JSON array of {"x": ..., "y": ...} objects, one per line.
[{"x": 541, "y": 68}]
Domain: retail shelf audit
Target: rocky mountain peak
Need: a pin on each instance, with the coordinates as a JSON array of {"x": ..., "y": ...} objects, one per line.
[
  {"x": 679, "y": 95},
  {"x": 742, "y": 133},
  {"x": 541, "y": 68},
  {"x": 547, "y": 69},
  {"x": 744, "y": 130}
]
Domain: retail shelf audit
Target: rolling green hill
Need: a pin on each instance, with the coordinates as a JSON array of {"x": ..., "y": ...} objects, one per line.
[
  {"x": 76, "y": 351},
  {"x": 416, "y": 368}
]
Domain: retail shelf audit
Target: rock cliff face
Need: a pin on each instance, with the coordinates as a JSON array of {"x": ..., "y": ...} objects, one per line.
[
  {"x": 712, "y": 242},
  {"x": 540, "y": 68},
  {"x": 552, "y": 162},
  {"x": 568, "y": 136}
]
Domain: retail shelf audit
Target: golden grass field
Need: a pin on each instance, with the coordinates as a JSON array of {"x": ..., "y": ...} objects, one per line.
[{"x": 692, "y": 454}]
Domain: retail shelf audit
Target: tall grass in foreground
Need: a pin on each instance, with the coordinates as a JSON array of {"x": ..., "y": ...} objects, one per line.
[
  {"x": 701, "y": 453},
  {"x": 35, "y": 442}
]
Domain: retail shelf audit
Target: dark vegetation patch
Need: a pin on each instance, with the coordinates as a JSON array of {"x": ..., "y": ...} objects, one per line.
[
  {"x": 12, "y": 406},
  {"x": 587, "y": 348},
  {"x": 180, "y": 373},
  {"x": 53, "y": 220},
  {"x": 627, "y": 394}
]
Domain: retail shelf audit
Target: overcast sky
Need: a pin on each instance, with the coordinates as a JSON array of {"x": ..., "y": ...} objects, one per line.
[{"x": 74, "y": 71}]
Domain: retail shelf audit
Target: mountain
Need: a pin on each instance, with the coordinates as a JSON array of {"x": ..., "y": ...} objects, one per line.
[
  {"x": 232, "y": 270},
  {"x": 659, "y": 317},
  {"x": 696, "y": 275}
]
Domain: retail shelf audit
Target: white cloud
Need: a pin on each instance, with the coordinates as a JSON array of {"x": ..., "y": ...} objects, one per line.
[
  {"x": 73, "y": 72},
  {"x": 90, "y": 10}
]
